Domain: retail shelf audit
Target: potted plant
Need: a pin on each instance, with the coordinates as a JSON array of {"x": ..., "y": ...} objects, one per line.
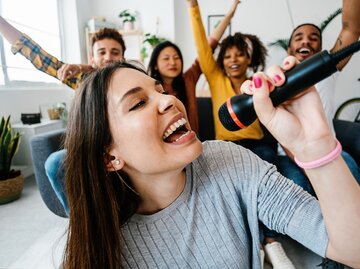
[
  {"x": 128, "y": 19},
  {"x": 11, "y": 181},
  {"x": 57, "y": 111}
]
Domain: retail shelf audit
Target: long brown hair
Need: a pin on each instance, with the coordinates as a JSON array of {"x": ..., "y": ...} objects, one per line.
[
  {"x": 99, "y": 201},
  {"x": 178, "y": 83}
]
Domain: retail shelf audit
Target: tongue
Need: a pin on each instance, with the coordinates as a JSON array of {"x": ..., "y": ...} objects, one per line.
[{"x": 174, "y": 136}]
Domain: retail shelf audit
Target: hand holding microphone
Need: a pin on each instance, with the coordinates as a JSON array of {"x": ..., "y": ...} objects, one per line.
[
  {"x": 294, "y": 124},
  {"x": 238, "y": 111}
]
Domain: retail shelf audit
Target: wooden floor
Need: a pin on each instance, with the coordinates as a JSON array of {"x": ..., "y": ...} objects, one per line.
[{"x": 32, "y": 237}]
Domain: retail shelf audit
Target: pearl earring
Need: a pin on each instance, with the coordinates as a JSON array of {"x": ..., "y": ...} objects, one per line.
[{"x": 117, "y": 162}]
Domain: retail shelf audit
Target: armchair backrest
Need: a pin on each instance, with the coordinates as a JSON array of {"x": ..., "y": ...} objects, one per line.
[{"x": 42, "y": 145}]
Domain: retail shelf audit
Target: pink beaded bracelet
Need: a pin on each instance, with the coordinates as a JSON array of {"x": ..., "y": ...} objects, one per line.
[{"x": 322, "y": 161}]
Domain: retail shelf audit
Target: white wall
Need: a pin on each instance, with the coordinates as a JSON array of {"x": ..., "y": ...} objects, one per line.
[{"x": 16, "y": 101}]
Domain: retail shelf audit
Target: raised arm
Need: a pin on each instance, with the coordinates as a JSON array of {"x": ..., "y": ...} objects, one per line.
[
  {"x": 350, "y": 31},
  {"x": 23, "y": 44},
  {"x": 204, "y": 50},
  {"x": 8, "y": 31},
  {"x": 220, "y": 29}
]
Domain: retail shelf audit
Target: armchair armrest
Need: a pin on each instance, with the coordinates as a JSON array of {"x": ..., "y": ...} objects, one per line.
[{"x": 42, "y": 145}]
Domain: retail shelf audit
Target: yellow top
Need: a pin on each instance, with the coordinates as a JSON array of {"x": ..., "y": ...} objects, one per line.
[{"x": 220, "y": 85}]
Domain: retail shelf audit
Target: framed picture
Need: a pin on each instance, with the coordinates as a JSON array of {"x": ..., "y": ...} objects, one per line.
[{"x": 213, "y": 22}]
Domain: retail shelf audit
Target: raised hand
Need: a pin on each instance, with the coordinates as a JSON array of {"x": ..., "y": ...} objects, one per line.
[
  {"x": 68, "y": 71},
  {"x": 300, "y": 123},
  {"x": 233, "y": 7}
]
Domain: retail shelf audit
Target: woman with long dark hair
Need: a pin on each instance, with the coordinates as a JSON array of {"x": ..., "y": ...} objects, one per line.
[{"x": 144, "y": 192}]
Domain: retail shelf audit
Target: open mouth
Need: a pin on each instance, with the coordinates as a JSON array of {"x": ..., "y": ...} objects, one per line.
[
  {"x": 234, "y": 66},
  {"x": 304, "y": 51},
  {"x": 176, "y": 131}
]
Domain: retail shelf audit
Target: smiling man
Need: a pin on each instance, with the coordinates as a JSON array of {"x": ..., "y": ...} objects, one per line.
[{"x": 306, "y": 40}]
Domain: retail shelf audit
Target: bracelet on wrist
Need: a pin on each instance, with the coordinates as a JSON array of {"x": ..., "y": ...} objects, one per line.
[{"x": 323, "y": 160}]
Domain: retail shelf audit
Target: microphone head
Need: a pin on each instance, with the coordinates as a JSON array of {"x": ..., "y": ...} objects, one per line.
[
  {"x": 237, "y": 112},
  {"x": 226, "y": 119}
]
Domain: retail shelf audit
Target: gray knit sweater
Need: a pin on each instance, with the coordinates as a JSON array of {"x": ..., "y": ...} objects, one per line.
[{"x": 214, "y": 223}]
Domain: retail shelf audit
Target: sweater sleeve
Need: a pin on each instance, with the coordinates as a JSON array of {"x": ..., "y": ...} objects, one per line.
[
  {"x": 288, "y": 209},
  {"x": 270, "y": 197},
  {"x": 191, "y": 77},
  {"x": 194, "y": 71},
  {"x": 206, "y": 60}
]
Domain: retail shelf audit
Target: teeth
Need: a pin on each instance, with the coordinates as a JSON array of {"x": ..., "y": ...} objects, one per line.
[
  {"x": 304, "y": 50},
  {"x": 173, "y": 128},
  {"x": 234, "y": 66},
  {"x": 182, "y": 136}
]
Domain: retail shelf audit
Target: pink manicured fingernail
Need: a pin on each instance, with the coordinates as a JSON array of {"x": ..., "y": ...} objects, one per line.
[
  {"x": 257, "y": 82},
  {"x": 276, "y": 78},
  {"x": 269, "y": 85},
  {"x": 286, "y": 63}
]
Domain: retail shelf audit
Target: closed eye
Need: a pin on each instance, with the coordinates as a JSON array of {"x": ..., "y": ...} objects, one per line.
[{"x": 138, "y": 105}]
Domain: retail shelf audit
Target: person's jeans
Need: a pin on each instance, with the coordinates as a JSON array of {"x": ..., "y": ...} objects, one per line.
[
  {"x": 55, "y": 172},
  {"x": 260, "y": 148},
  {"x": 354, "y": 168}
]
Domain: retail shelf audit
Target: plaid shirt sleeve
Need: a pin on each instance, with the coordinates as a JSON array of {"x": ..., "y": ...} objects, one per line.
[{"x": 42, "y": 60}]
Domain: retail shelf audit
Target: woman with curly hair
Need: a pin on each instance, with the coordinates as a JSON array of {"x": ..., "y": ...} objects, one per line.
[{"x": 239, "y": 56}]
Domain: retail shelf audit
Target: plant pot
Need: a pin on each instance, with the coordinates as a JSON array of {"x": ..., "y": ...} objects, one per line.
[
  {"x": 54, "y": 113},
  {"x": 128, "y": 26},
  {"x": 10, "y": 189}
]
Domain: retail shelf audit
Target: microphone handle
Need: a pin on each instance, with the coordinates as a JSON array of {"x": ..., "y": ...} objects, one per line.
[{"x": 304, "y": 75}]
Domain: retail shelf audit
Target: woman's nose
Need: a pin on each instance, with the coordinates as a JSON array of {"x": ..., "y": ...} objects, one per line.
[{"x": 166, "y": 103}]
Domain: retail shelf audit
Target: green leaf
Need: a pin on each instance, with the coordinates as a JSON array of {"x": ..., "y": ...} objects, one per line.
[
  {"x": 329, "y": 19},
  {"x": 9, "y": 145},
  {"x": 280, "y": 43}
]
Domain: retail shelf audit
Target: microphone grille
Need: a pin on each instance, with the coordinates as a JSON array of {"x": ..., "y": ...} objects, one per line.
[{"x": 226, "y": 120}]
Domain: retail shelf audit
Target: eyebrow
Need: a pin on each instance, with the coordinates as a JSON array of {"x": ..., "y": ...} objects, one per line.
[
  {"x": 112, "y": 49},
  {"x": 312, "y": 34},
  {"x": 135, "y": 90}
]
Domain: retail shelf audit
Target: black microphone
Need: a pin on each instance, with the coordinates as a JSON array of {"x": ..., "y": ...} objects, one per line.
[{"x": 238, "y": 111}]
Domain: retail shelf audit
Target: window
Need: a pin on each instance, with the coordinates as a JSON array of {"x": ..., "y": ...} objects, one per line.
[{"x": 39, "y": 19}]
